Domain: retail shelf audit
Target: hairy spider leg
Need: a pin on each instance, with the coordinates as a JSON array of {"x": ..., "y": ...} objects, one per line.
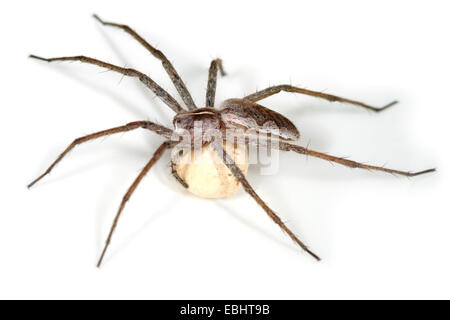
[
  {"x": 248, "y": 188},
  {"x": 173, "y": 168},
  {"x": 212, "y": 81},
  {"x": 284, "y": 146},
  {"x": 259, "y": 95},
  {"x": 165, "y": 132},
  {"x": 156, "y": 156},
  {"x": 349, "y": 163},
  {"x": 167, "y": 65},
  {"x": 146, "y": 80}
]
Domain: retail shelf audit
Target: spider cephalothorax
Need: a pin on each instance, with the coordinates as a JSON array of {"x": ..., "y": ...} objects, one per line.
[
  {"x": 219, "y": 137},
  {"x": 202, "y": 124}
]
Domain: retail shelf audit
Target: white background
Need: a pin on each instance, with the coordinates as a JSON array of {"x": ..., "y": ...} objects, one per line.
[{"x": 379, "y": 236}]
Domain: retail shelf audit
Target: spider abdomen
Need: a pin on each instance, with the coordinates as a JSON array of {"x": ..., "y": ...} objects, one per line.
[
  {"x": 205, "y": 173},
  {"x": 254, "y": 118}
]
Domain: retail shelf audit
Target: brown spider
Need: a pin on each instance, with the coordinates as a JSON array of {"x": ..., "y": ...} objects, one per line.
[{"x": 243, "y": 118}]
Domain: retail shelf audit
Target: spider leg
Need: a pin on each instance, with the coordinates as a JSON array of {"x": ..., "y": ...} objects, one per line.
[
  {"x": 128, "y": 127},
  {"x": 156, "y": 156},
  {"x": 176, "y": 176},
  {"x": 176, "y": 79},
  {"x": 343, "y": 161},
  {"x": 212, "y": 81},
  {"x": 259, "y": 95},
  {"x": 146, "y": 80},
  {"x": 248, "y": 188}
]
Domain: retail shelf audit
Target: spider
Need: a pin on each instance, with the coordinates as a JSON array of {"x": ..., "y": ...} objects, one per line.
[{"x": 210, "y": 128}]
